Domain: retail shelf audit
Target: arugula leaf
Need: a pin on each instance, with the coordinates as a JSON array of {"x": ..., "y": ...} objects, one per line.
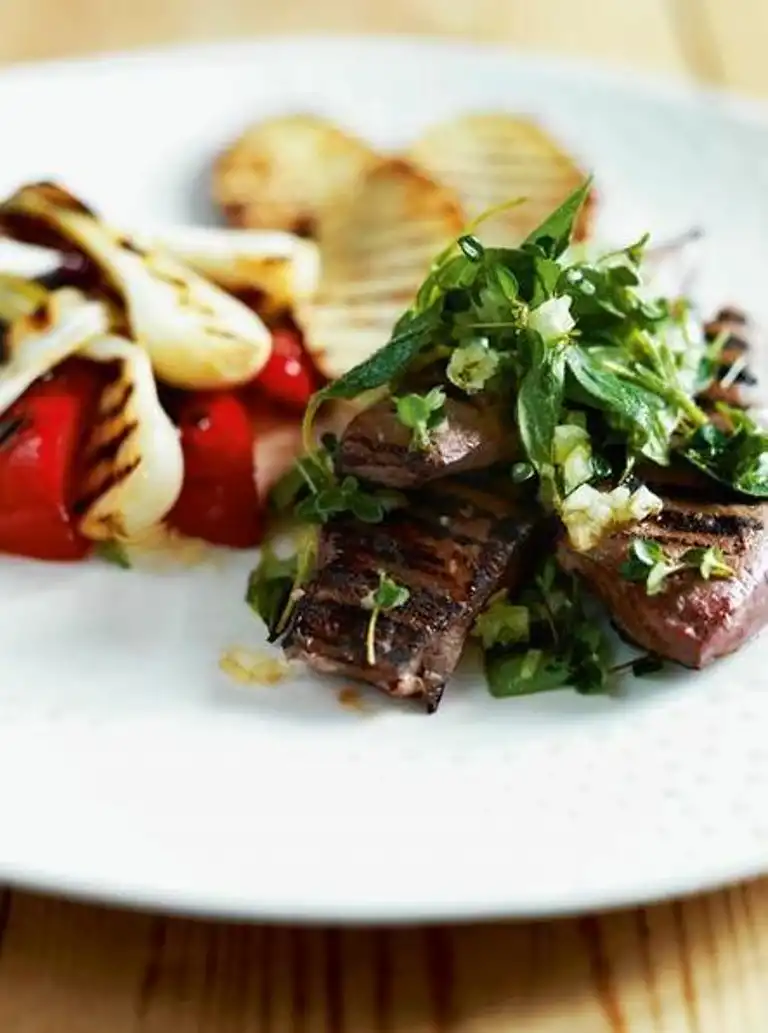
[
  {"x": 631, "y": 408},
  {"x": 554, "y": 234},
  {"x": 562, "y": 644},
  {"x": 523, "y": 674},
  {"x": 273, "y": 584},
  {"x": 422, "y": 414},
  {"x": 540, "y": 405},
  {"x": 388, "y": 595},
  {"x": 737, "y": 458},
  {"x": 269, "y": 587},
  {"x": 114, "y": 553}
]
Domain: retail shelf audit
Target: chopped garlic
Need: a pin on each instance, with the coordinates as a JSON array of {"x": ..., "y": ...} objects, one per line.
[
  {"x": 472, "y": 366},
  {"x": 552, "y": 320},
  {"x": 573, "y": 453},
  {"x": 588, "y": 513},
  {"x": 252, "y": 667}
]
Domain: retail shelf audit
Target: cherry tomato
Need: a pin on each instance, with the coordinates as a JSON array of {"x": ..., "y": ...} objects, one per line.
[
  {"x": 289, "y": 376},
  {"x": 41, "y": 443},
  {"x": 219, "y": 501}
]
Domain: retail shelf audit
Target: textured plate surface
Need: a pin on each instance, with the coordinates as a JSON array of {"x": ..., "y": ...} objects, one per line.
[{"x": 131, "y": 769}]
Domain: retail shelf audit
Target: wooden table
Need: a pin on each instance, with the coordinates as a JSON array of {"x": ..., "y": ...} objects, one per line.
[{"x": 696, "y": 966}]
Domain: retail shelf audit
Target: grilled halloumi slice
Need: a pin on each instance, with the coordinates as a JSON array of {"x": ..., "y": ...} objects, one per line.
[
  {"x": 134, "y": 467},
  {"x": 287, "y": 172},
  {"x": 280, "y": 267},
  {"x": 489, "y": 159},
  {"x": 36, "y": 341},
  {"x": 197, "y": 335},
  {"x": 375, "y": 252}
]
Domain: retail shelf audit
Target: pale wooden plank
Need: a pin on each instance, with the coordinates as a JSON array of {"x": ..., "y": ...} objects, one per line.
[
  {"x": 636, "y": 34},
  {"x": 738, "y": 31},
  {"x": 694, "y": 967}
]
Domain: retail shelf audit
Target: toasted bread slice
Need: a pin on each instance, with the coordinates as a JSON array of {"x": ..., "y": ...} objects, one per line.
[
  {"x": 286, "y": 172},
  {"x": 375, "y": 253},
  {"x": 489, "y": 159}
]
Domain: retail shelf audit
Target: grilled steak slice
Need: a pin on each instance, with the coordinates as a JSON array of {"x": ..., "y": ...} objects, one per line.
[
  {"x": 735, "y": 383},
  {"x": 453, "y": 548},
  {"x": 694, "y": 621},
  {"x": 376, "y": 445}
]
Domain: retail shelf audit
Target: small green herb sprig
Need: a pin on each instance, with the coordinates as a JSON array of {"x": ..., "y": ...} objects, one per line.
[
  {"x": 421, "y": 414},
  {"x": 649, "y": 564},
  {"x": 387, "y": 596},
  {"x": 312, "y": 491}
]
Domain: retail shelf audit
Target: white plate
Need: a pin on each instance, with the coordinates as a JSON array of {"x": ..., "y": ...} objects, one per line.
[{"x": 131, "y": 769}]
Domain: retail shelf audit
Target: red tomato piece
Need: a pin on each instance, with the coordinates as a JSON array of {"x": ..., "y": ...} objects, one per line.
[
  {"x": 289, "y": 376},
  {"x": 41, "y": 438},
  {"x": 219, "y": 501}
]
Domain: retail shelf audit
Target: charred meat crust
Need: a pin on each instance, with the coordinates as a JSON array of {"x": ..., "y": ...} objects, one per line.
[
  {"x": 376, "y": 445},
  {"x": 694, "y": 621},
  {"x": 740, "y": 340},
  {"x": 452, "y": 548}
]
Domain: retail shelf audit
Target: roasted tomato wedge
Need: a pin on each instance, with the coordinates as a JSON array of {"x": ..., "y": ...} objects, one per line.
[
  {"x": 219, "y": 501},
  {"x": 41, "y": 438},
  {"x": 289, "y": 376}
]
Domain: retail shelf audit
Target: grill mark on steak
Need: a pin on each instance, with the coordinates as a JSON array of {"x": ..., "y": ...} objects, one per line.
[
  {"x": 377, "y": 446},
  {"x": 450, "y": 571},
  {"x": 677, "y": 518}
]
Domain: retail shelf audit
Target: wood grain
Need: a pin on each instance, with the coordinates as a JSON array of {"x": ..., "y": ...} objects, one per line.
[{"x": 694, "y": 966}]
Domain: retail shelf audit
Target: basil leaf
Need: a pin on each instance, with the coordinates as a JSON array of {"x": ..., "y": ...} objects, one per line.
[
  {"x": 540, "y": 405},
  {"x": 554, "y": 234}
]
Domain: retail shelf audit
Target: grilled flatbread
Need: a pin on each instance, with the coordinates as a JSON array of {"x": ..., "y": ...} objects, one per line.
[
  {"x": 286, "y": 172},
  {"x": 375, "y": 252},
  {"x": 489, "y": 159}
]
